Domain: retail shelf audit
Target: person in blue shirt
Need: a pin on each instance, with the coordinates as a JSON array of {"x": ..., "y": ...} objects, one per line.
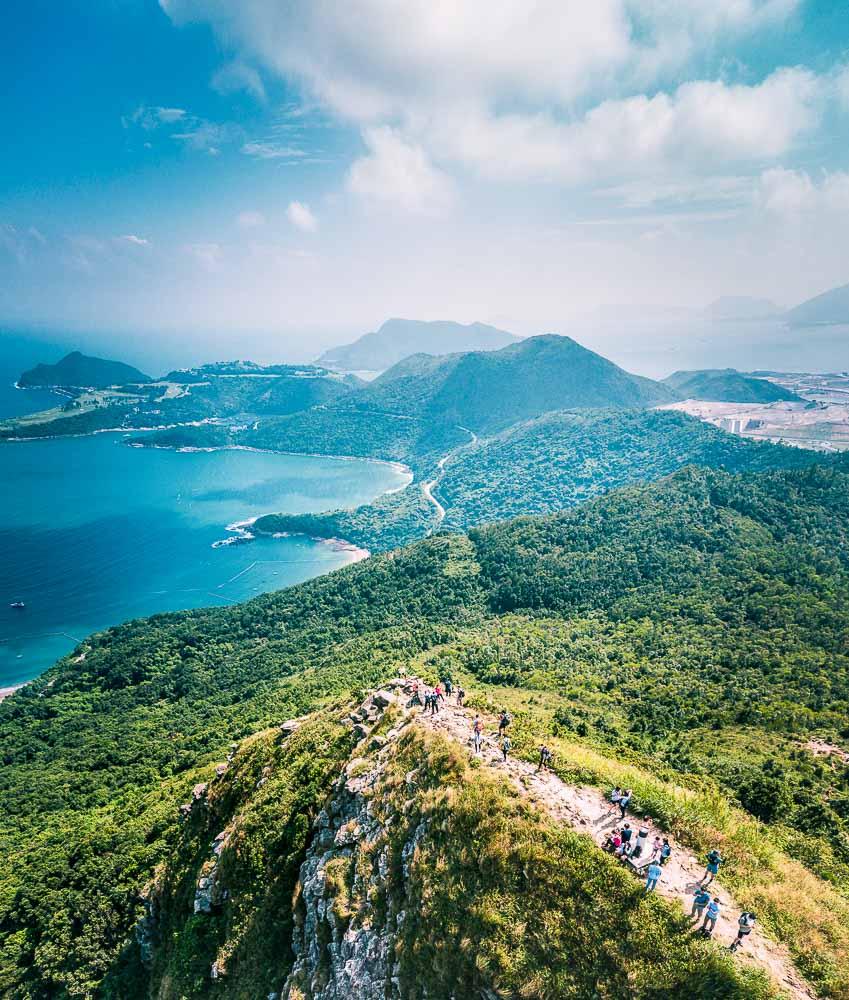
[
  {"x": 654, "y": 873},
  {"x": 714, "y": 860},
  {"x": 711, "y": 916},
  {"x": 665, "y": 851},
  {"x": 701, "y": 898}
]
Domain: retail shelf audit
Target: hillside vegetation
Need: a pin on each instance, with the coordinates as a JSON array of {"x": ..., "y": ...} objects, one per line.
[
  {"x": 728, "y": 386},
  {"x": 686, "y": 637}
]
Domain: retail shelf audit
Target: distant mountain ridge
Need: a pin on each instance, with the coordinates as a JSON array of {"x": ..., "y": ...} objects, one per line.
[
  {"x": 77, "y": 370},
  {"x": 398, "y": 338},
  {"x": 829, "y": 308},
  {"x": 727, "y": 385}
]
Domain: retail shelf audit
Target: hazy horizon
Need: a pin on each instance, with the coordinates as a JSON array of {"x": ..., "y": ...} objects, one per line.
[{"x": 212, "y": 180}]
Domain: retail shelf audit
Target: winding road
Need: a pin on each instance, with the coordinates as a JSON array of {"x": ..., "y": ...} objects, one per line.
[{"x": 431, "y": 484}]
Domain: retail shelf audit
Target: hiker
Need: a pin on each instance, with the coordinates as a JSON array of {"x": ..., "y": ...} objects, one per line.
[
  {"x": 711, "y": 917},
  {"x": 701, "y": 898},
  {"x": 714, "y": 860},
  {"x": 417, "y": 698},
  {"x": 449, "y": 687},
  {"x": 657, "y": 844},
  {"x": 438, "y": 695},
  {"x": 627, "y": 833},
  {"x": 505, "y": 746},
  {"x": 745, "y": 924},
  {"x": 504, "y": 721},
  {"x": 654, "y": 873},
  {"x": 640, "y": 843},
  {"x": 615, "y": 797},
  {"x": 544, "y": 759},
  {"x": 665, "y": 851},
  {"x": 461, "y": 694},
  {"x": 624, "y": 802},
  {"x": 477, "y": 733}
]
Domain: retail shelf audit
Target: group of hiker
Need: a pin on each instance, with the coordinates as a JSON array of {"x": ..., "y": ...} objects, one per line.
[
  {"x": 434, "y": 698},
  {"x": 622, "y": 842}
]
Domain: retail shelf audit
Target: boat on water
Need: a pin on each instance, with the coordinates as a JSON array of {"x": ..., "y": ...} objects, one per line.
[{"x": 17, "y": 604}]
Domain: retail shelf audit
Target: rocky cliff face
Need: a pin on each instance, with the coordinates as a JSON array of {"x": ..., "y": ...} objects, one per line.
[{"x": 345, "y": 945}]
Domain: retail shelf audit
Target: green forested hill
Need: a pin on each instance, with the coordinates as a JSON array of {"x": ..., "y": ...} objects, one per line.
[
  {"x": 728, "y": 385},
  {"x": 487, "y": 391},
  {"x": 562, "y": 459},
  {"x": 660, "y": 627}
]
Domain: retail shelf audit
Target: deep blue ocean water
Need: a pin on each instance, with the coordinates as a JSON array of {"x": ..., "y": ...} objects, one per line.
[{"x": 93, "y": 532}]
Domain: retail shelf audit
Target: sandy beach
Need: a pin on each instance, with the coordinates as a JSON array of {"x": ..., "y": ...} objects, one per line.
[{"x": 6, "y": 691}]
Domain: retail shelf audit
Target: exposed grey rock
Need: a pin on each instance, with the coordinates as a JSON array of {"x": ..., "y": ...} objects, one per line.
[
  {"x": 358, "y": 960},
  {"x": 289, "y": 726}
]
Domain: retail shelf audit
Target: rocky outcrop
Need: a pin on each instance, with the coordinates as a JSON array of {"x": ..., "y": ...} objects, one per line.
[{"x": 345, "y": 947}]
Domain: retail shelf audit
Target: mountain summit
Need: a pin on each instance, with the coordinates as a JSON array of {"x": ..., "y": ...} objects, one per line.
[
  {"x": 398, "y": 338},
  {"x": 488, "y": 390}
]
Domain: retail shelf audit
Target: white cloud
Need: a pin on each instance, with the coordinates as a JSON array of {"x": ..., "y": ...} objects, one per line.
[
  {"x": 238, "y": 76},
  {"x": 250, "y": 219},
  {"x": 794, "y": 192},
  {"x": 301, "y": 216},
  {"x": 559, "y": 90},
  {"x": 399, "y": 173},
  {"x": 150, "y": 118},
  {"x": 137, "y": 241},
  {"x": 372, "y": 58},
  {"x": 272, "y": 151},
  {"x": 698, "y": 127},
  {"x": 208, "y": 137}
]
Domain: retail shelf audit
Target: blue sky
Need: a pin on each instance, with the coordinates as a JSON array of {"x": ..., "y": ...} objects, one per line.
[{"x": 271, "y": 177}]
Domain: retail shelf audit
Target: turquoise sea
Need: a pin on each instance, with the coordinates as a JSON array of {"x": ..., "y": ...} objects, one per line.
[{"x": 93, "y": 532}]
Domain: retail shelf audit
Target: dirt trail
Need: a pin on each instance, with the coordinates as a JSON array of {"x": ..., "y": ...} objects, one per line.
[{"x": 586, "y": 810}]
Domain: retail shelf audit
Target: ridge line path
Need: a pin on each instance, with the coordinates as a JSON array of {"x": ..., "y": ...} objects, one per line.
[
  {"x": 586, "y": 810},
  {"x": 431, "y": 484}
]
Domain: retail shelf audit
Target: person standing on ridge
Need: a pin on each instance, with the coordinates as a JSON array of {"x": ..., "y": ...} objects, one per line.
[
  {"x": 544, "y": 759},
  {"x": 665, "y": 851},
  {"x": 714, "y": 860},
  {"x": 711, "y": 917},
  {"x": 505, "y": 746},
  {"x": 449, "y": 687},
  {"x": 624, "y": 802},
  {"x": 654, "y": 873},
  {"x": 461, "y": 694},
  {"x": 745, "y": 925},
  {"x": 477, "y": 733},
  {"x": 504, "y": 721},
  {"x": 701, "y": 898}
]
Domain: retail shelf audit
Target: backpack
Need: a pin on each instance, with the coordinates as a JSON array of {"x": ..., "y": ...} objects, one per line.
[
  {"x": 505, "y": 719},
  {"x": 714, "y": 857}
]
